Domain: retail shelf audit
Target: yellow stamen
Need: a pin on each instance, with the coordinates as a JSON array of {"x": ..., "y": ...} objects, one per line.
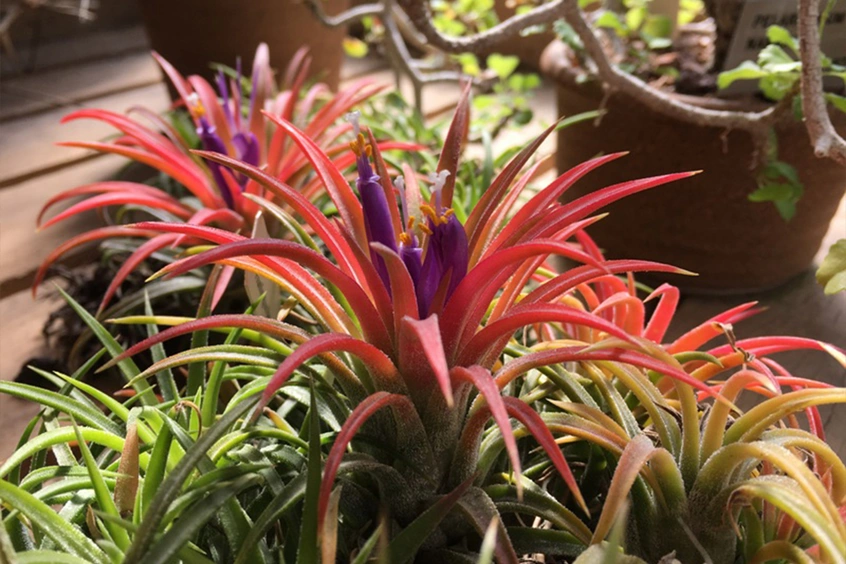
[
  {"x": 405, "y": 238},
  {"x": 195, "y": 104},
  {"x": 429, "y": 212},
  {"x": 425, "y": 229},
  {"x": 359, "y": 146}
]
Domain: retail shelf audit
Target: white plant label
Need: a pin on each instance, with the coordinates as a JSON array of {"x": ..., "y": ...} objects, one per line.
[{"x": 758, "y": 15}]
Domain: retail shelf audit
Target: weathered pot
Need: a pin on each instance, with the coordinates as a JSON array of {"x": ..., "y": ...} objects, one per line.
[
  {"x": 193, "y": 33},
  {"x": 704, "y": 223}
]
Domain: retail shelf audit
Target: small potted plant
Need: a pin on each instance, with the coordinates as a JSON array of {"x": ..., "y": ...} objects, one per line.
[
  {"x": 717, "y": 227},
  {"x": 708, "y": 225}
]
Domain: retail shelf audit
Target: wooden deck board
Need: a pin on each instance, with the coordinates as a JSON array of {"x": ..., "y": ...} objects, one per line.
[
  {"x": 22, "y": 249},
  {"x": 21, "y": 320},
  {"x": 28, "y": 145},
  {"x": 101, "y": 45},
  {"x": 71, "y": 86}
]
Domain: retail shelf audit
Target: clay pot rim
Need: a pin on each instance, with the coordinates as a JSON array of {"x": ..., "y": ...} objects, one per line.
[{"x": 554, "y": 64}]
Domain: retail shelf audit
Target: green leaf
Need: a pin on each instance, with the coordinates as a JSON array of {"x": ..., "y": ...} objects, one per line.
[
  {"x": 275, "y": 510},
  {"x": 59, "y": 436},
  {"x": 469, "y": 64},
  {"x": 101, "y": 492},
  {"x": 778, "y": 182},
  {"x": 80, "y": 411},
  {"x": 780, "y": 36},
  {"x": 42, "y": 516},
  {"x": 832, "y": 272},
  {"x": 747, "y": 70},
  {"x": 776, "y": 86},
  {"x": 658, "y": 26},
  {"x": 164, "y": 378},
  {"x": 354, "y": 47},
  {"x": 47, "y": 557},
  {"x": 533, "y": 540},
  {"x": 774, "y": 55},
  {"x": 837, "y": 101},
  {"x": 7, "y": 548},
  {"x": 405, "y": 545},
  {"x": 636, "y": 16},
  {"x": 579, "y": 118},
  {"x": 308, "y": 547},
  {"x": 502, "y": 65},
  {"x": 127, "y": 367},
  {"x": 568, "y": 35},
  {"x": 184, "y": 529},
  {"x": 363, "y": 555},
  {"x": 612, "y": 21},
  {"x": 171, "y": 486}
]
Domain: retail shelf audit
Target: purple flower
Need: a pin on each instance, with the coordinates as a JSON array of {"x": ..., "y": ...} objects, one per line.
[
  {"x": 447, "y": 255},
  {"x": 435, "y": 270}
]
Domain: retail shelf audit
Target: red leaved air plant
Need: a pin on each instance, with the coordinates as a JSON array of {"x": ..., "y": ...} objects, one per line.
[
  {"x": 215, "y": 195},
  {"x": 710, "y": 466},
  {"x": 429, "y": 305}
]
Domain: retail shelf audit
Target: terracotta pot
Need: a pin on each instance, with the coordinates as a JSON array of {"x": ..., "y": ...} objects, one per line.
[
  {"x": 193, "y": 33},
  {"x": 705, "y": 223}
]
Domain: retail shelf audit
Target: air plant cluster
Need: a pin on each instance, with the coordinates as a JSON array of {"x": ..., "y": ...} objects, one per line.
[{"x": 428, "y": 387}]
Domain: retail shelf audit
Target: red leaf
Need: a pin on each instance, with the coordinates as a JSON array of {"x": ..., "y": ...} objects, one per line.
[
  {"x": 483, "y": 381},
  {"x": 493, "y": 195},
  {"x": 565, "y": 282},
  {"x": 479, "y": 348},
  {"x": 582, "y": 207},
  {"x": 342, "y": 195},
  {"x": 402, "y": 286},
  {"x": 175, "y": 77},
  {"x": 138, "y": 256},
  {"x": 706, "y": 331},
  {"x": 315, "y": 219},
  {"x": 120, "y": 199},
  {"x": 356, "y": 419},
  {"x": 294, "y": 255},
  {"x": 376, "y": 361},
  {"x": 526, "y": 217},
  {"x": 102, "y": 188},
  {"x": 535, "y": 425},
  {"x": 466, "y": 307},
  {"x": 451, "y": 151},
  {"x": 427, "y": 333},
  {"x": 88, "y": 237},
  {"x": 520, "y": 365},
  {"x": 663, "y": 314},
  {"x": 193, "y": 180}
]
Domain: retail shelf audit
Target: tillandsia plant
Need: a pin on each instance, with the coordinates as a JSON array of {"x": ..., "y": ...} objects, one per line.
[
  {"x": 473, "y": 345},
  {"x": 230, "y": 121}
]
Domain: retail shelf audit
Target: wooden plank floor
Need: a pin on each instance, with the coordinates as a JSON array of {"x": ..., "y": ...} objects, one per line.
[{"x": 32, "y": 168}]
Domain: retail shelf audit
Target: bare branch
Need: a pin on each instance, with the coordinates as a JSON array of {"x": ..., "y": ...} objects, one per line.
[
  {"x": 826, "y": 141},
  {"x": 347, "y": 17},
  {"x": 617, "y": 80},
  {"x": 420, "y": 14}
]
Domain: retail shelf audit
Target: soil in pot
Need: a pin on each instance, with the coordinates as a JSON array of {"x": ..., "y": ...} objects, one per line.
[
  {"x": 191, "y": 34},
  {"x": 704, "y": 223}
]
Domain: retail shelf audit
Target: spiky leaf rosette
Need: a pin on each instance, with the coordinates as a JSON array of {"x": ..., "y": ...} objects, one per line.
[
  {"x": 413, "y": 318},
  {"x": 228, "y": 120}
]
